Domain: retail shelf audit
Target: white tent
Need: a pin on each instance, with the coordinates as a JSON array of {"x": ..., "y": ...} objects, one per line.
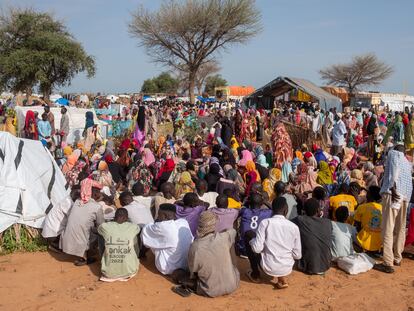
[
  {"x": 54, "y": 97},
  {"x": 31, "y": 183},
  {"x": 112, "y": 98},
  {"x": 76, "y": 120}
]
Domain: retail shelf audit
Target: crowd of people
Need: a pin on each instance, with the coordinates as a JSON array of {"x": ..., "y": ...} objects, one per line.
[{"x": 236, "y": 187}]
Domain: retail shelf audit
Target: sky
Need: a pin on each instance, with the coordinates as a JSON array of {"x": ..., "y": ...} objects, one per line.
[{"x": 299, "y": 37}]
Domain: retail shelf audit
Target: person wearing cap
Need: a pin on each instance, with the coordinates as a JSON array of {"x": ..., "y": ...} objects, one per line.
[
  {"x": 338, "y": 135},
  {"x": 85, "y": 214}
]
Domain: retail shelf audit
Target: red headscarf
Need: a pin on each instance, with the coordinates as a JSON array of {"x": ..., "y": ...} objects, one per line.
[
  {"x": 167, "y": 167},
  {"x": 30, "y": 117}
]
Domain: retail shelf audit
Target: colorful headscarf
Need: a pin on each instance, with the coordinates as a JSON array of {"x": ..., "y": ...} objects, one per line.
[
  {"x": 324, "y": 174},
  {"x": 86, "y": 189}
]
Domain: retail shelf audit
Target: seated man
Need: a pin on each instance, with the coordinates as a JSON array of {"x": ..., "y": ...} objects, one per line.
[
  {"x": 233, "y": 198},
  {"x": 343, "y": 235},
  {"x": 165, "y": 196},
  {"x": 190, "y": 209},
  {"x": 212, "y": 271},
  {"x": 169, "y": 239},
  {"x": 278, "y": 241},
  {"x": 138, "y": 192},
  {"x": 204, "y": 195},
  {"x": 367, "y": 220},
  {"x": 84, "y": 215},
  {"x": 225, "y": 216},
  {"x": 138, "y": 213},
  {"x": 316, "y": 239},
  {"x": 280, "y": 191},
  {"x": 119, "y": 261},
  {"x": 343, "y": 199}
]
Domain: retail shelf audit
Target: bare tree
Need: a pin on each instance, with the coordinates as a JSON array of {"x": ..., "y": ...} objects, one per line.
[
  {"x": 187, "y": 33},
  {"x": 207, "y": 69},
  {"x": 363, "y": 70}
]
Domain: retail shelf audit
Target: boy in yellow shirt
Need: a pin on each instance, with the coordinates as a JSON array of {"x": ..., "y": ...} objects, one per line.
[
  {"x": 368, "y": 219},
  {"x": 343, "y": 199}
]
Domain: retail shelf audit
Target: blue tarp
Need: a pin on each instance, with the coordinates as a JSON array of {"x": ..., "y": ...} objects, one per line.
[
  {"x": 206, "y": 99},
  {"x": 62, "y": 101},
  {"x": 109, "y": 112}
]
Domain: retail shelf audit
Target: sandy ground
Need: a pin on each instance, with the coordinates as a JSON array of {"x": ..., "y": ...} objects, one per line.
[{"x": 43, "y": 281}]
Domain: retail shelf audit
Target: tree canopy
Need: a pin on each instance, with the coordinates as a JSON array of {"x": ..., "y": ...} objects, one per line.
[
  {"x": 213, "y": 82},
  {"x": 163, "y": 83},
  {"x": 37, "y": 50},
  {"x": 186, "y": 34},
  {"x": 363, "y": 70}
]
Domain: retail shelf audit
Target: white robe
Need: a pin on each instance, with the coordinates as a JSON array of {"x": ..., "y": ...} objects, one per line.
[{"x": 169, "y": 241}]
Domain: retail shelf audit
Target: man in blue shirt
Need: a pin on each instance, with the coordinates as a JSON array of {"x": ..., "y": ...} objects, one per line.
[{"x": 44, "y": 129}]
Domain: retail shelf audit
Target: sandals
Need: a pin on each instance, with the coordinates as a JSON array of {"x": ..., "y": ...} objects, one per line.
[
  {"x": 251, "y": 278},
  {"x": 182, "y": 290},
  {"x": 84, "y": 262},
  {"x": 279, "y": 285},
  {"x": 383, "y": 268}
]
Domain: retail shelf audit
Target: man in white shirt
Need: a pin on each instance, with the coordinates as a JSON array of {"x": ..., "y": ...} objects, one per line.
[
  {"x": 169, "y": 240},
  {"x": 138, "y": 192},
  {"x": 138, "y": 213},
  {"x": 208, "y": 197},
  {"x": 278, "y": 241},
  {"x": 338, "y": 135}
]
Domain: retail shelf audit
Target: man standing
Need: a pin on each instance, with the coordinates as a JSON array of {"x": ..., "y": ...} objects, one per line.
[
  {"x": 338, "y": 135},
  {"x": 396, "y": 190},
  {"x": 119, "y": 260},
  {"x": 64, "y": 124}
]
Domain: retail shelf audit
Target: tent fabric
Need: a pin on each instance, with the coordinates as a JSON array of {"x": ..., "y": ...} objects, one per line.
[
  {"x": 31, "y": 183},
  {"x": 282, "y": 85},
  {"x": 76, "y": 120},
  {"x": 62, "y": 101}
]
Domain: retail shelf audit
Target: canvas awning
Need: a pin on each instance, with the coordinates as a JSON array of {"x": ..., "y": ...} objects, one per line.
[{"x": 282, "y": 85}]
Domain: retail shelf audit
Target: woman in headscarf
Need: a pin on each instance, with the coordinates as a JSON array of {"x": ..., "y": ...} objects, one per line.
[
  {"x": 286, "y": 171},
  {"x": 251, "y": 176},
  {"x": 102, "y": 175},
  {"x": 238, "y": 119},
  {"x": 30, "y": 126},
  {"x": 89, "y": 132},
  {"x": 262, "y": 167},
  {"x": 167, "y": 167},
  {"x": 358, "y": 176},
  {"x": 142, "y": 174},
  {"x": 409, "y": 135},
  {"x": 109, "y": 149},
  {"x": 324, "y": 174},
  {"x": 310, "y": 160},
  {"x": 268, "y": 184},
  {"x": 305, "y": 179},
  {"x": 213, "y": 176},
  {"x": 398, "y": 130},
  {"x": 139, "y": 132},
  {"x": 73, "y": 167},
  {"x": 9, "y": 126},
  {"x": 184, "y": 185},
  {"x": 246, "y": 155}
]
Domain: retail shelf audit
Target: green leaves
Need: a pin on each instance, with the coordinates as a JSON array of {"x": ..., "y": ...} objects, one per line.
[
  {"x": 164, "y": 83},
  {"x": 37, "y": 50}
]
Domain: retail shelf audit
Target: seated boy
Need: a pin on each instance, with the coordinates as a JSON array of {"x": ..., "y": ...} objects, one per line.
[{"x": 343, "y": 234}]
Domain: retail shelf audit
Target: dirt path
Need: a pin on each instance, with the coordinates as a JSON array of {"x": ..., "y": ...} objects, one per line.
[{"x": 43, "y": 281}]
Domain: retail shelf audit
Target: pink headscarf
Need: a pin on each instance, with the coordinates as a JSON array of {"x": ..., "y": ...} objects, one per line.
[
  {"x": 246, "y": 156},
  {"x": 86, "y": 189},
  {"x": 148, "y": 157}
]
